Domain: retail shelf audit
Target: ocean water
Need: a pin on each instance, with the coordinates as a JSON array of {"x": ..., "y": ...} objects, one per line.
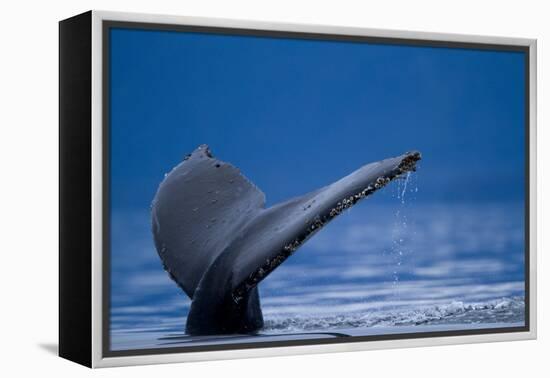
[{"x": 384, "y": 267}]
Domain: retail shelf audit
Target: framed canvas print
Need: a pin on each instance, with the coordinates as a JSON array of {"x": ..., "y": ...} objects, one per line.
[{"x": 233, "y": 189}]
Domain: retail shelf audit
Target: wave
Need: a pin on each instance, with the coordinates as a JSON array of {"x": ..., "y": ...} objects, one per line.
[{"x": 503, "y": 310}]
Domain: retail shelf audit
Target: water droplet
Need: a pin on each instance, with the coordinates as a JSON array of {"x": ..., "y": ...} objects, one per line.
[{"x": 405, "y": 187}]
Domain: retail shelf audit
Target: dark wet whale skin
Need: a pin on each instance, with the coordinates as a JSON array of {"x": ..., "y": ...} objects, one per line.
[{"x": 217, "y": 241}]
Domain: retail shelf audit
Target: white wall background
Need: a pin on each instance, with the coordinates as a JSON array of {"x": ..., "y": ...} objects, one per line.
[{"x": 28, "y": 190}]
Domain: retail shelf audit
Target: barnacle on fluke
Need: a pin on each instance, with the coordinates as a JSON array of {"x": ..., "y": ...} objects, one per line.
[{"x": 220, "y": 263}]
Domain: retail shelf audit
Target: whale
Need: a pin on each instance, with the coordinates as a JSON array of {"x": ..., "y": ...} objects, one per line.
[{"x": 217, "y": 240}]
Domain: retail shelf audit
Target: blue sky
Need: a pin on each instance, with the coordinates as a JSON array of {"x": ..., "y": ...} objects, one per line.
[{"x": 295, "y": 115}]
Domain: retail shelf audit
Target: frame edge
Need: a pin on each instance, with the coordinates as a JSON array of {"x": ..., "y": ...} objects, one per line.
[
  {"x": 97, "y": 356},
  {"x": 75, "y": 305}
]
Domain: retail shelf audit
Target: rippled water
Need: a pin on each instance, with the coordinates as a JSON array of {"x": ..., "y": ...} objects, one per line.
[{"x": 378, "y": 269}]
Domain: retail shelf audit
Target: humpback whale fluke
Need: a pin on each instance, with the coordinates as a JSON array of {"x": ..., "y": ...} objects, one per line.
[{"x": 217, "y": 240}]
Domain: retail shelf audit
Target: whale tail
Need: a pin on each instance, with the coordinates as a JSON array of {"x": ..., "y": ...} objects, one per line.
[
  {"x": 199, "y": 208},
  {"x": 218, "y": 241}
]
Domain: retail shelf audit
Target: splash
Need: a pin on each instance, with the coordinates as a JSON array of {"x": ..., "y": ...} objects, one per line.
[
  {"x": 507, "y": 309},
  {"x": 404, "y": 190},
  {"x": 402, "y": 233}
]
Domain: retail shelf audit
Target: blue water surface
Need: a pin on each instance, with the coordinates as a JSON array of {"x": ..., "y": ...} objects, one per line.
[{"x": 376, "y": 269}]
